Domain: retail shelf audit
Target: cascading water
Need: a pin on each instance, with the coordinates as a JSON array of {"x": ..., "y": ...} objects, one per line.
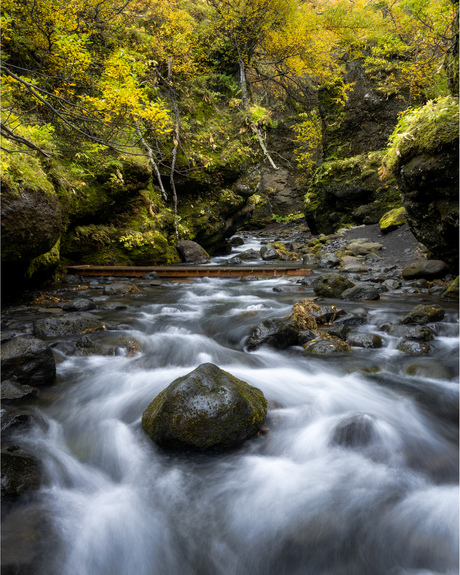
[{"x": 302, "y": 498}]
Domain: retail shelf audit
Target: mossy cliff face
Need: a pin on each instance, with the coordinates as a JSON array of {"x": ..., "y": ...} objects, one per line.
[
  {"x": 349, "y": 191},
  {"x": 424, "y": 155},
  {"x": 208, "y": 408}
]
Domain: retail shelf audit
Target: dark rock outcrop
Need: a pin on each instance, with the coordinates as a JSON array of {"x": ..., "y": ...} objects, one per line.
[
  {"x": 57, "y": 326},
  {"x": 207, "y": 408},
  {"x": 277, "y": 333}
]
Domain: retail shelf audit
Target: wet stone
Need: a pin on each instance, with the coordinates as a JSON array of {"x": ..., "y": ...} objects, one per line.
[
  {"x": 118, "y": 289},
  {"x": 67, "y": 325},
  {"x": 29, "y": 360},
  {"x": 331, "y": 285},
  {"x": 326, "y": 346},
  {"x": 414, "y": 347},
  {"x": 355, "y": 431},
  {"x": 422, "y": 314},
  {"x": 21, "y": 472},
  {"x": 13, "y": 391},
  {"x": 361, "y": 292},
  {"x": 409, "y": 332},
  {"x": 13, "y": 418},
  {"x": 80, "y": 304},
  {"x": 275, "y": 333},
  {"x": 365, "y": 340},
  {"x": 206, "y": 409},
  {"x": 429, "y": 369}
]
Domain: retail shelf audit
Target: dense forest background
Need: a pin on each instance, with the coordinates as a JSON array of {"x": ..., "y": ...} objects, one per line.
[{"x": 139, "y": 116}]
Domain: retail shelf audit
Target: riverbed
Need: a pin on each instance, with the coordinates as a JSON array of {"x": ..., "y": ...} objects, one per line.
[{"x": 300, "y": 498}]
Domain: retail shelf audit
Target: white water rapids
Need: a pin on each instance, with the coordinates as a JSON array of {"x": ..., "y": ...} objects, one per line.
[{"x": 291, "y": 501}]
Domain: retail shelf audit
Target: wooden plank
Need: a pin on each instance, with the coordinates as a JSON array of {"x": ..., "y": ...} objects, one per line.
[{"x": 188, "y": 271}]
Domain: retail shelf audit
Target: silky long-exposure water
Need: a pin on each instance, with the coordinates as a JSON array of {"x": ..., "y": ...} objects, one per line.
[{"x": 294, "y": 500}]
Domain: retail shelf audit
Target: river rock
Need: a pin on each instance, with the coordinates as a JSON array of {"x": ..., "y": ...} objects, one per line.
[
  {"x": 94, "y": 344},
  {"x": 207, "y": 408},
  {"x": 79, "y": 304},
  {"x": 277, "y": 333},
  {"x": 414, "y": 347},
  {"x": 249, "y": 255},
  {"x": 268, "y": 253},
  {"x": 358, "y": 248},
  {"x": 354, "y": 431},
  {"x": 329, "y": 260},
  {"x": 361, "y": 291},
  {"x": 391, "y": 285},
  {"x": 422, "y": 314},
  {"x": 21, "y": 472},
  {"x": 191, "y": 252},
  {"x": 331, "y": 285},
  {"x": 392, "y": 220},
  {"x": 13, "y": 392},
  {"x": 237, "y": 241},
  {"x": 451, "y": 293},
  {"x": 409, "y": 332},
  {"x": 119, "y": 288},
  {"x": 67, "y": 325},
  {"x": 326, "y": 346},
  {"x": 278, "y": 251},
  {"x": 308, "y": 315},
  {"x": 425, "y": 269},
  {"x": 352, "y": 319},
  {"x": 429, "y": 369},
  {"x": 366, "y": 340},
  {"x": 13, "y": 418},
  {"x": 310, "y": 259},
  {"x": 30, "y": 361},
  {"x": 351, "y": 264}
]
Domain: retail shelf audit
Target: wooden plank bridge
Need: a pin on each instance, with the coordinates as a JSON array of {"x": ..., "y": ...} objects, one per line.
[{"x": 189, "y": 271}]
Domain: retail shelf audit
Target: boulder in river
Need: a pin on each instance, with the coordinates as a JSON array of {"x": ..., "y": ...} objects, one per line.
[
  {"x": 425, "y": 269},
  {"x": 30, "y": 361},
  {"x": 362, "y": 291},
  {"x": 413, "y": 332},
  {"x": 414, "y": 347},
  {"x": 21, "y": 472},
  {"x": 354, "y": 431},
  {"x": 207, "y": 408},
  {"x": 366, "y": 340},
  {"x": 191, "y": 252},
  {"x": 422, "y": 314},
  {"x": 451, "y": 292},
  {"x": 277, "y": 333},
  {"x": 331, "y": 285},
  {"x": 429, "y": 369},
  {"x": 57, "y": 326},
  {"x": 326, "y": 345}
]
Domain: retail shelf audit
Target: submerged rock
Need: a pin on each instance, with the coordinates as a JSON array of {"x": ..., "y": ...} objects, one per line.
[
  {"x": 422, "y": 314},
  {"x": 30, "y": 361},
  {"x": 207, "y": 408},
  {"x": 354, "y": 431},
  {"x": 429, "y": 369}
]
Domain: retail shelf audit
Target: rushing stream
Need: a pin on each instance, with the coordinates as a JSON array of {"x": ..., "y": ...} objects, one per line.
[{"x": 294, "y": 500}]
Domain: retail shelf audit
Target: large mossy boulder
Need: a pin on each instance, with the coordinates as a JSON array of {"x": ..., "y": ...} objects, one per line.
[
  {"x": 191, "y": 252},
  {"x": 207, "y": 408},
  {"x": 424, "y": 157},
  {"x": 29, "y": 361},
  {"x": 392, "y": 220}
]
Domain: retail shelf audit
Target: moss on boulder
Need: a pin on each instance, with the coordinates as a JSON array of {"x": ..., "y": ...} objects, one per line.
[
  {"x": 392, "y": 220},
  {"x": 207, "y": 408}
]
